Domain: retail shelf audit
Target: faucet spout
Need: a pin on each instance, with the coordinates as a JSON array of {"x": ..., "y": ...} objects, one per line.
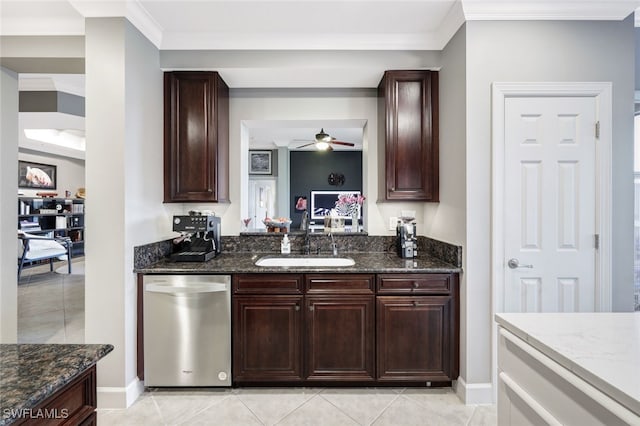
[
  {"x": 334, "y": 246},
  {"x": 307, "y": 240}
]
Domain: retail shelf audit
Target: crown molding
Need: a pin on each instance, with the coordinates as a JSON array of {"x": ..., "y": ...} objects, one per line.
[
  {"x": 532, "y": 10},
  {"x": 130, "y": 9}
]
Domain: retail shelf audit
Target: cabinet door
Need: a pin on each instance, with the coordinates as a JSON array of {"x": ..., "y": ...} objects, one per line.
[
  {"x": 196, "y": 110},
  {"x": 414, "y": 338},
  {"x": 408, "y": 116},
  {"x": 267, "y": 342},
  {"x": 340, "y": 338}
]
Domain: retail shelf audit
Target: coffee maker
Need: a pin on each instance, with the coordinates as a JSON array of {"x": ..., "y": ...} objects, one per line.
[
  {"x": 406, "y": 240},
  {"x": 200, "y": 239}
]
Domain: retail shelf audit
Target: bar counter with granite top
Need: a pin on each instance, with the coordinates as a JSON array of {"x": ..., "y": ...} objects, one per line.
[
  {"x": 232, "y": 263},
  {"x": 30, "y": 374}
]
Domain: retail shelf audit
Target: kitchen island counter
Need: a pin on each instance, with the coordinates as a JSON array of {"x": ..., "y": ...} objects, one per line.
[
  {"x": 32, "y": 373},
  {"x": 601, "y": 349},
  {"x": 231, "y": 263}
]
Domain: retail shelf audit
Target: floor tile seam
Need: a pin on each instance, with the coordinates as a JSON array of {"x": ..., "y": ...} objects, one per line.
[
  {"x": 429, "y": 408},
  {"x": 237, "y": 396},
  {"x": 196, "y": 412},
  {"x": 310, "y": 396},
  {"x": 157, "y": 407},
  {"x": 339, "y": 409},
  {"x": 475, "y": 408},
  {"x": 297, "y": 408},
  {"x": 397, "y": 396}
]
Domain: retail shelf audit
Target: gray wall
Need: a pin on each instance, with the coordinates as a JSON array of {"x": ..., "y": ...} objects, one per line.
[
  {"x": 542, "y": 51},
  {"x": 448, "y": 217},
  {"x": 309, "y": 171}
]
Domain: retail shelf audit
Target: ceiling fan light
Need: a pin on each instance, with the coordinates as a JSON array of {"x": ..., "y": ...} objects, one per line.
[
  {"x": 323, "y": 137},
  {"x": 322, "y": 146}
]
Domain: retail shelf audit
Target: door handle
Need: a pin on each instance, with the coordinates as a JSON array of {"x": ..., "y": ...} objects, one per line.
[{"x": 514, "y": 263}]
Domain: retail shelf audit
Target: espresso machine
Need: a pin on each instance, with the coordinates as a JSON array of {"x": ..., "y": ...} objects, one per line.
[
  {"x": 199, "y": 240},
  {"x": 406, "y": 240}
]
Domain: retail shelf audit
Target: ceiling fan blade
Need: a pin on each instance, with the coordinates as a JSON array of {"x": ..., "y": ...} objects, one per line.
[
  {"x": 305, "y": 145},
  {"x": 302, "y": 140},
  {"x": 342, "y": 143}
]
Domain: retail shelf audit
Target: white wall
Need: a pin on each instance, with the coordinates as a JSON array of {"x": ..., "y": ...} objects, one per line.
[
  {"x": 8, "y": 209},
  {"x": 124, "y": 180},
  {"x": 70, "y": 172},
  {"x": 541, "y": 51}
]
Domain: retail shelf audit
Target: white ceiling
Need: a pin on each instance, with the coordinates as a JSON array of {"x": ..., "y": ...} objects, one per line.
[
  {"x": 282, "y": 29},
  {"x": 295, "y": 24}
]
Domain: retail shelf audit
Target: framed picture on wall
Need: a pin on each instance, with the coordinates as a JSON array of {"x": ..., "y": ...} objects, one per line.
[
  {"x": 37, "y": 175},
  {"x": 259, "y": 162}
]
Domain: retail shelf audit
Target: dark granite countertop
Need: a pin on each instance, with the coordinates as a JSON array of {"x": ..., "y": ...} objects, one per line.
[
  {"x": 30, "y": 373},
  {"x": 231, "y": 263}
]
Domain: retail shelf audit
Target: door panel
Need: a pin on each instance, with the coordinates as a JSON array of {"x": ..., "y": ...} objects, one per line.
[{"x": 550, "y": 193}]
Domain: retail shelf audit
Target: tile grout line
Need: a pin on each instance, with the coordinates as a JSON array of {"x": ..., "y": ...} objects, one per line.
[
  {"x": 250, "y": 410},
  {"x": 338, "y": 408},
  {"x": 386, "y": 408}
]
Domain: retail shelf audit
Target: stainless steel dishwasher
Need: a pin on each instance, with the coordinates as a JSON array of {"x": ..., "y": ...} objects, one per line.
[{"x": 187, "y": 330}]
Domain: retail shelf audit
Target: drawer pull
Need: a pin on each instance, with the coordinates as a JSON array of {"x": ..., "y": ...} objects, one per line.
[
  {"x": 416, "y": 284},
  {"x": 415, "y": 304},
  {"x": 297, "y": 308},
  {"x": 311, "y": 308}
]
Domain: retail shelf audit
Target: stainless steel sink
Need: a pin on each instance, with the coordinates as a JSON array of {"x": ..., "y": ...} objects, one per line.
[{"x": 284, "y": 261}]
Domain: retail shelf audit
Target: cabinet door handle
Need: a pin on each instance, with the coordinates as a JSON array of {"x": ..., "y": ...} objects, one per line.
[
  {"x": 311, "y": 307},
  {"x": 415, "y": 304},
  {"x": 416, "y": 284},
  {"x": 297, "y": 308}
]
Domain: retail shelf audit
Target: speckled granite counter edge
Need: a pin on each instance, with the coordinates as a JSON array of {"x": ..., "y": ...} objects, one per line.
[
  {"x": 149, "y": 254},
  {"x": 20, "y": 362}
]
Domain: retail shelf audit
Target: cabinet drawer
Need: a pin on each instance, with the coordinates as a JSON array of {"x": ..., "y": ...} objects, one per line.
[
  {"x": 414, "y": 283},
  {"x": 343, "y": 283},
  {"x": 267, "y": 284}
]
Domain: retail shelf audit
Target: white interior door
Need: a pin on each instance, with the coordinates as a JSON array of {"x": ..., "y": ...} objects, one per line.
[
  {"x": 262, "y": 201},
  {"x": 550, "y": 204}
]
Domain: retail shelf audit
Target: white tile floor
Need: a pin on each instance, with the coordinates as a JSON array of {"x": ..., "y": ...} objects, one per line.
[{"x": 51, "y": 310}]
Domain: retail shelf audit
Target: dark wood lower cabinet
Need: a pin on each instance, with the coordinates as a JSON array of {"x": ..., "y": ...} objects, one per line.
[
  {"x": 413, "y": 335},
  {"x": 350, "y": 328},
  {"x": 267, "y": 343},
  {"x": 74, "y": 404},
  {"x": 340, "y": 338}
]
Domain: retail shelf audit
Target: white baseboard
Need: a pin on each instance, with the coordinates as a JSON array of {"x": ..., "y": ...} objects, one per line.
[
  {"x": 119, "y": 397},
  {"x": 474, "y": 393}
]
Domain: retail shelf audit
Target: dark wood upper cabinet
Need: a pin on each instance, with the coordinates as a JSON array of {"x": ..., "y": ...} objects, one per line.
[
  {"x": 408, "y": 121},
  {"x": 196, "y": 137}
]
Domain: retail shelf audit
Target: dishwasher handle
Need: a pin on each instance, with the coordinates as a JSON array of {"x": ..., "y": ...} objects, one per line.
[{"x": 190, "y": 289}]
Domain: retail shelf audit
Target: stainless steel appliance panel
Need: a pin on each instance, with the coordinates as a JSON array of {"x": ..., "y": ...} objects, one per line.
[{"x": 187, "y": 330}]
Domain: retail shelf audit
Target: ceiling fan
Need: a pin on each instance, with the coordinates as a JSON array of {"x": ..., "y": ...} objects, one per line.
[{"x": 324, "y": 141}]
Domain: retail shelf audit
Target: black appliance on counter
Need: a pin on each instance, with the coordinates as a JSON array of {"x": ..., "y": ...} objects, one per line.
[
  {"x": 200, "y": 239},
  {"x": 406, "y": 240}
]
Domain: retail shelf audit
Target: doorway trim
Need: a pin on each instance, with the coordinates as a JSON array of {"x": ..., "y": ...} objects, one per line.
[{"x": 602, "y": 92}]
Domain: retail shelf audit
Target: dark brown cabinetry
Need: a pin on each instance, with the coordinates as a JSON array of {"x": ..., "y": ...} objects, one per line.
[
  {"x": 74, "y": 404},
  {"x": 196, "y": 137},
  {"x": 267, "y": 328},
  {"x": 417, "y": 327},
  {"x": 357, "y": 328},
  {"x": 408, "y": 121},
  {"x": 340, "y": 327}
]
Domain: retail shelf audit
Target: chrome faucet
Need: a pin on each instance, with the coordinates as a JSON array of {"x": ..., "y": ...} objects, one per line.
[
  {"x": 307, "y": 241},
  {"x": 334, "y": 246}
]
